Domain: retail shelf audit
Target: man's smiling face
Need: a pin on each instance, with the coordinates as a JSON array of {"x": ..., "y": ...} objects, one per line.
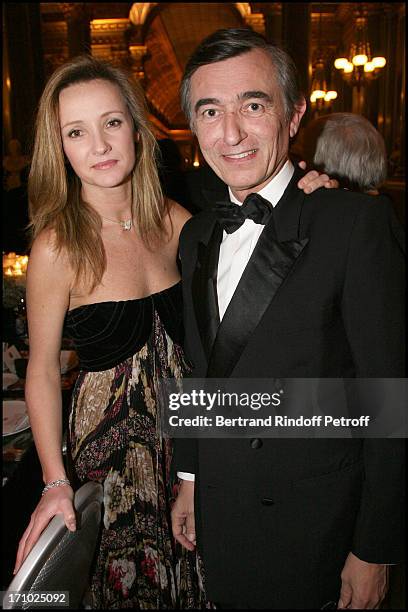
[{"x": 239, "y": 119}]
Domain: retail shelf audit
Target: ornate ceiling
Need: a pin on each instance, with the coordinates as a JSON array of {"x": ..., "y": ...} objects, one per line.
[
  {"x": 160, "y": 39},
  {"x": 156, "y": 39},
  {"x": 172, "y": 37}
]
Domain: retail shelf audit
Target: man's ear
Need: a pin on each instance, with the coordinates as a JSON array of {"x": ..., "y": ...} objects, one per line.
[{"x": 298, "y": 113}]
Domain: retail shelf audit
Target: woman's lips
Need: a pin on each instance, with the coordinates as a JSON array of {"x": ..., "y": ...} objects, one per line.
[{"x": 105, "y": 165}]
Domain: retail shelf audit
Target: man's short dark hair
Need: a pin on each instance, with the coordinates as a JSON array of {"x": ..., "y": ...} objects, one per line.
[{"x": 226, "y": 43}]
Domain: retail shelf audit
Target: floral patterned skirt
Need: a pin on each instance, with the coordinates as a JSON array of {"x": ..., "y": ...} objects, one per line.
[{"x": 114, "y": 439}]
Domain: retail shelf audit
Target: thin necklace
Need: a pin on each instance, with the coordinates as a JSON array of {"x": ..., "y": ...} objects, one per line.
[{"x": 126, "y": 225}]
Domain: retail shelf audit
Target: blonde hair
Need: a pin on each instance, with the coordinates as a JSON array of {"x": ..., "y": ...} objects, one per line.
[{"x": 54, "y": 190}]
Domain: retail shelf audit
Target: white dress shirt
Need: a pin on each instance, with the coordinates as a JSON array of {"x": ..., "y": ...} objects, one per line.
[{"x": 236, "y": 249}]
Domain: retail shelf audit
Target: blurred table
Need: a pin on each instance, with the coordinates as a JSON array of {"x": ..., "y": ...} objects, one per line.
[
  {"x": 17, "y": 445},
  {"x": 22, "y": 476}
]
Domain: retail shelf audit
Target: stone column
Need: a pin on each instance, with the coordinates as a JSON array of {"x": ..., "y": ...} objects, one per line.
[
  {"x": 296, "y": 37},
  {"x": 78, "y": 17},
  {"x": 23, "y": 73},
  {"x": 138, "y": 53},
  {"x": 272, "y": 13}
]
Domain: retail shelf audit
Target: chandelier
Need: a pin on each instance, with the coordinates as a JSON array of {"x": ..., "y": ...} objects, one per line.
[
  {"x": 320, "y": 92},
  {"x": 360, "y": 64}
]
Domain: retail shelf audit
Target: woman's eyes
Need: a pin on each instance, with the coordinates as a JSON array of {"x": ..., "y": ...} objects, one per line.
[
  {"x": 114, "y": 122},
  {"x": 76, "y": 133}
]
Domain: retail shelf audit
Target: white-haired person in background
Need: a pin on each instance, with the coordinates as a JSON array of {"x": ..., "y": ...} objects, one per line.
[
  {"x": 352, "y": 149},
  {"x": 348, "y": 148}
]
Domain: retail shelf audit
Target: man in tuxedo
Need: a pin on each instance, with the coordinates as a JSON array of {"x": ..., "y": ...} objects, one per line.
[{"x": 279, "y": 285}]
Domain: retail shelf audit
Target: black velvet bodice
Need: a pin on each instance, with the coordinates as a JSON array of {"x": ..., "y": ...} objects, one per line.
[{"x": 107, "y": 333}]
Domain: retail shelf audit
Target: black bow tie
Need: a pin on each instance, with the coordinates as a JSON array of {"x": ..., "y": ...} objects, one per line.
[{"x": 231, "y": 216}]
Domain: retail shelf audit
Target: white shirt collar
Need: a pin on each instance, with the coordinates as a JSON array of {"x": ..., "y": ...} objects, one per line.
[{"x": 273, "y": 191}]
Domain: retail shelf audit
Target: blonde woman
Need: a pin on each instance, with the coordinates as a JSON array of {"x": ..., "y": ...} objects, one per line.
[{"x": 103, "y": 261}]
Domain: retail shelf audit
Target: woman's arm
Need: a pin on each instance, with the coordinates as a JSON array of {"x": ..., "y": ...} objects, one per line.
[{"x": 48, "y": 290}]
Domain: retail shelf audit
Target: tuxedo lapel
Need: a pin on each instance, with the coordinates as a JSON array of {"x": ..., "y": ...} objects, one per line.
[
  {"x": 212, "y": 195},
  {"x": 272, "y": 260},
  {"x": 204, "y": 284},
  {"x": 287, "y": 212},
  {"x": 204, "y": 287}
]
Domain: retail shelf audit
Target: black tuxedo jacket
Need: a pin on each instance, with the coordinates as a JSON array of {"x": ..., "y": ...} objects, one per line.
[{"x": 320, "y": 297}]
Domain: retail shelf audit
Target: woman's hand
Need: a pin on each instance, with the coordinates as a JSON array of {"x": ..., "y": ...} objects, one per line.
[
  {"x": 58, "y": 500},
  {"x": 313, "y": 180}
]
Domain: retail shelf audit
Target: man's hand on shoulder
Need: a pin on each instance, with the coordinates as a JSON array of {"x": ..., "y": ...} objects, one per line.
[
  {"x": 314, "y": 180},
  {"x": 363, "y": 585}
]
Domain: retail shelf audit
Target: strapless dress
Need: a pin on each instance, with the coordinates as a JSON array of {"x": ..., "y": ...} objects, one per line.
[{"x": 124, "y": 347}]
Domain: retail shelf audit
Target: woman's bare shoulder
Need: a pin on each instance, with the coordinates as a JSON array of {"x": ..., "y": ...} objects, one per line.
[
  {"x": 178, "y": 215},
  {"x": 46, "y": 257},
  {"x": 45, "y": 242}
]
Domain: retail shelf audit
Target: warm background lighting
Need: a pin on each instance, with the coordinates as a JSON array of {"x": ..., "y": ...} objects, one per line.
[
  {"x": 340, "y": 63},
  {"x": 331, "y": 95},
  {"x": 360, "y": 60},
  {"x": 359, "y": 63},
  {"x": 379, "y": 62},
  {"x": 14, "y": 265},
  {"x": 320, "y": 92}
]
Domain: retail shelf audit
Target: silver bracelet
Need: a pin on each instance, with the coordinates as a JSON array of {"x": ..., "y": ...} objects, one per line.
[{"x": 55, "y": 483}]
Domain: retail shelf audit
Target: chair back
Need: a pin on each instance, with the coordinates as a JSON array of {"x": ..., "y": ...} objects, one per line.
[{"x": 61, "y": 560}]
